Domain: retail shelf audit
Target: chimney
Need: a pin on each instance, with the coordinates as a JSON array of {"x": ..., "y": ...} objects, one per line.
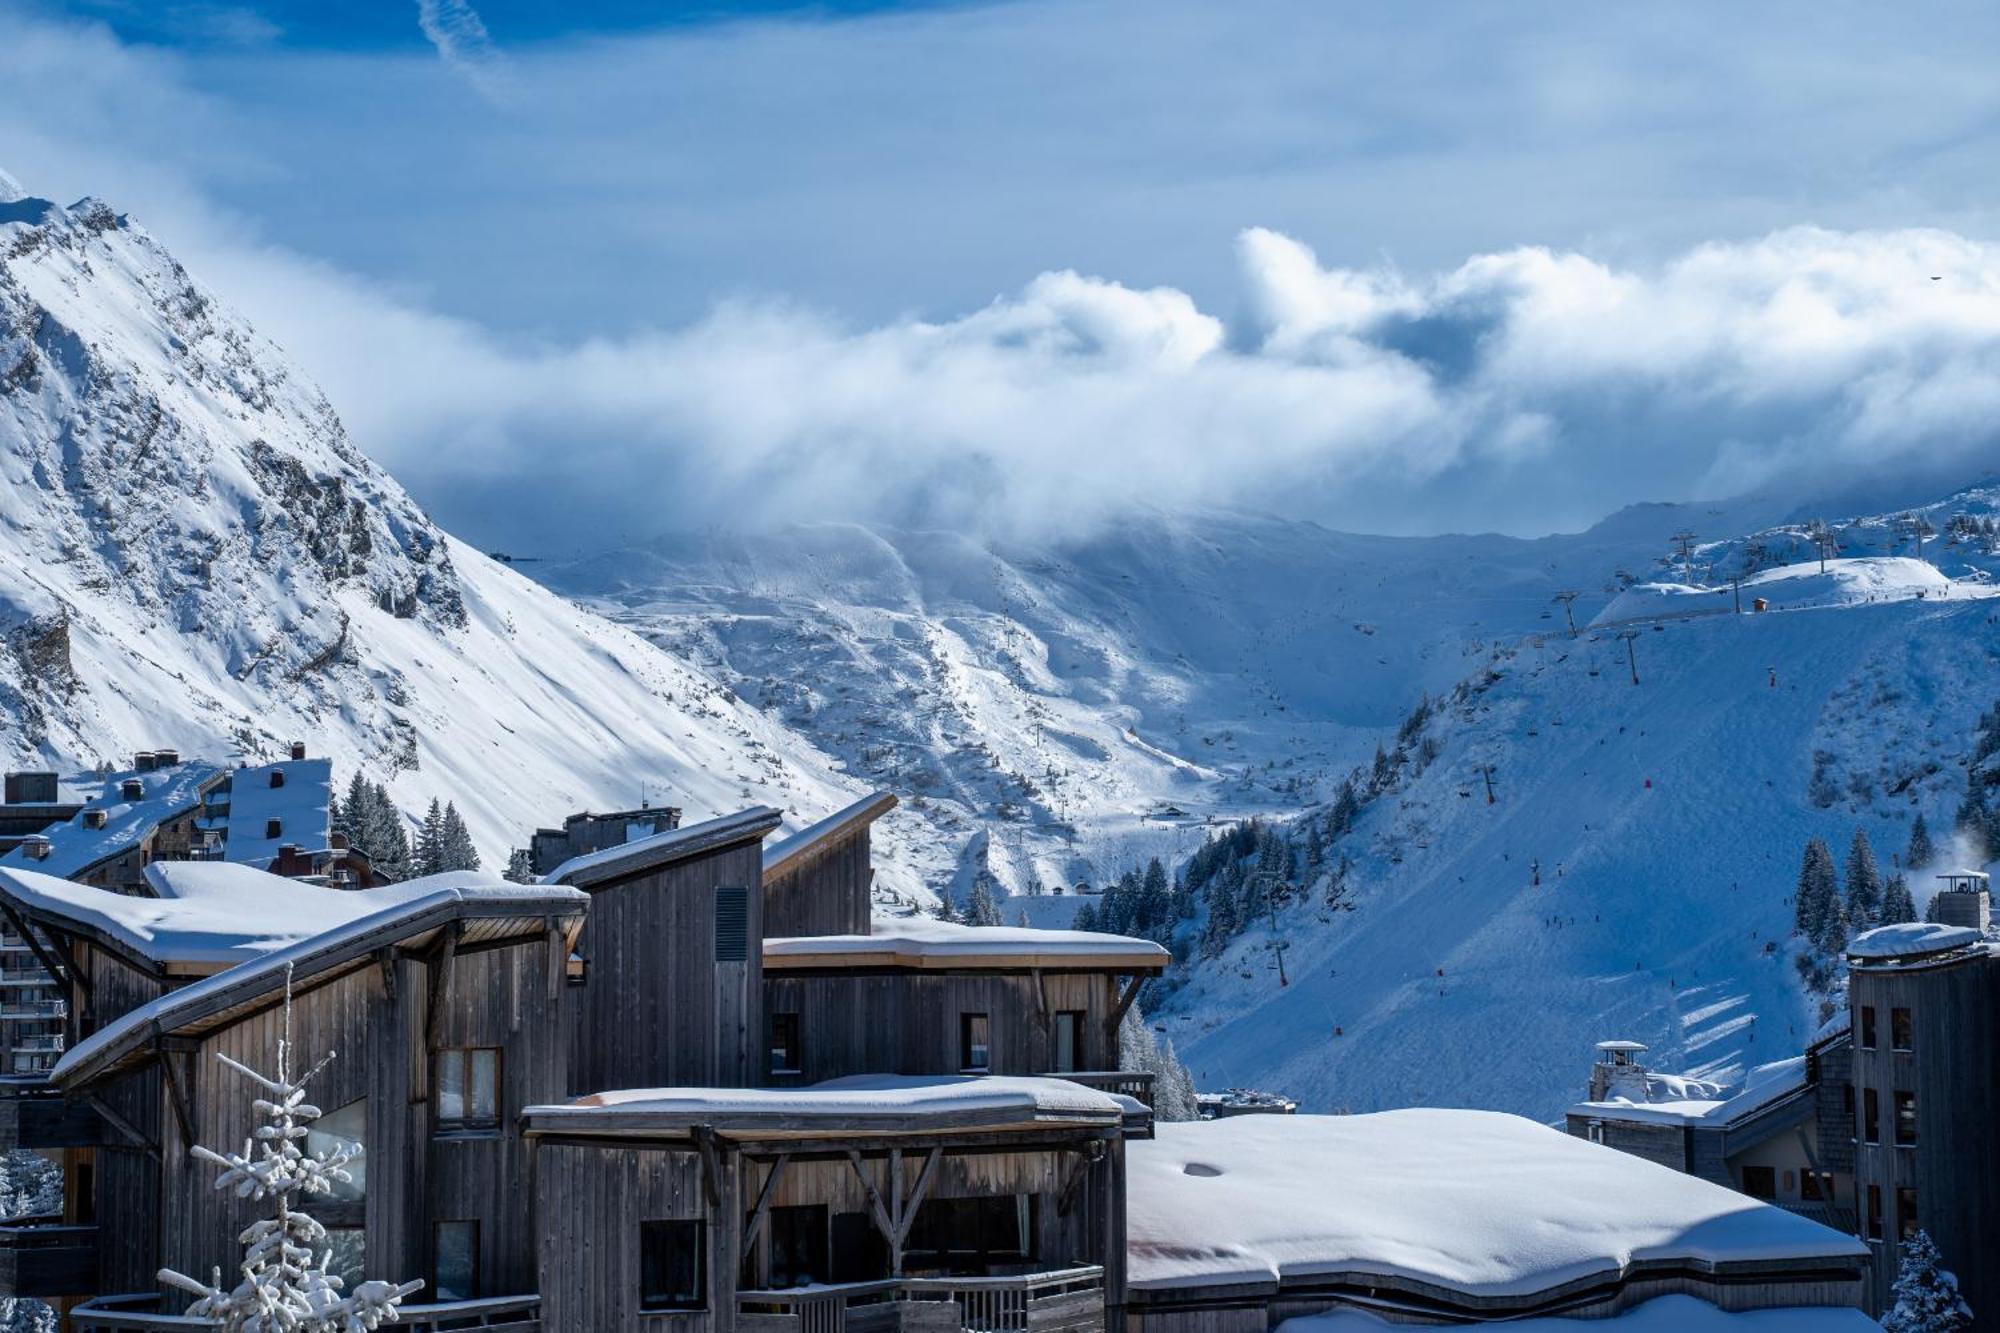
[
  {"x": 132, "y": 789},
  {"x": 145, "y": 761},
  {"x": 274, "y": 828},
  {"x": 298, "y": 749},
  {"x": 277, "y": 777},
  {"x": 95, "y": 817},
  {"x": 1964, "y": 900},
  {"x": 1616, "y": 1069},
  {"x": 36, "y": 847},
  {"x": 166, "y": 758}
]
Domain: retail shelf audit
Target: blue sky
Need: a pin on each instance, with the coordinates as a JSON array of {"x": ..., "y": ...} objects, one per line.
[{"x": 541, "y": 195}]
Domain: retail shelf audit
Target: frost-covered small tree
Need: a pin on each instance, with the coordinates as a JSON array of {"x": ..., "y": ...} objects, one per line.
[
  {"x": 1898, "y": 904},
  {"x": 1141, "y": 1052},
  {"x": 430, "y": 840},
  {"x": 1817, "y": 909},
  {"x": 520, "y": 866},
  {"x": 455, "y": 850},
  {"x": 982, "y": 909},
  {"x": 1925, "y": 1298},
  {"x": 285, "y": 1287}
]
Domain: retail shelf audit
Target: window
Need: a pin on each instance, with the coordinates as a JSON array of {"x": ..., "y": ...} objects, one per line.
[
  {"x": 798, "y": 1245},
  {"x": 1068, "y": 1042},
  {"x": 455, "y": 1270},
  {"x": 786, "y": 1053},
  {"x": 1595, "y": 1131},
  {"x": 975, "y": 1052},
  {"x": 1868, "y": 1027},
  {"x": 468, "y": 1090},
  {"x": 859, "y": 1252},
  {"x": 1847, "y": 1099},
  {"x": 1809, "y": 1187},
  {"x": 1906, "y": 1119},
  {"x": 972, "y": 1236},
  {"x": 347, "y": 1255},
  {"x": 1874, "y": 1231},
  {"x": 1871, "y": 1116},
  {"x": 1760, "y": 1182},
  {"x": 673, "y": 1265},
  {"x": 1906, "y": 1212},
  {"x": 344, "y": 1127},
  {"x": 1899, "y": 1030}
]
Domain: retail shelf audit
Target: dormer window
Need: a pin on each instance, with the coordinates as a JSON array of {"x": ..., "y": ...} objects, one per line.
[
  {"x": 274, "y": 828},
  {"x": 277, "y": 777}
]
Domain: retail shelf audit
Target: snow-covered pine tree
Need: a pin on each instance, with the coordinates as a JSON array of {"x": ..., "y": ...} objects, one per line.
[
  {"x": 1920, "y": 852},
  {"x": 1925, "y": 1298},
  {"x": 520, "y": 866},
  {"x": 285, "y": 1287},
  {"x": 947, "y": 908},
  {"x": 981, "y": 909},
  {"x": 455, "y": 849},
  {"x": 1864, "y": 884},
  {"x": 388, "y": 845},
  {"x": 1085, "y": 918},
  {"x": 1898, "y": 904},
  {"x": 1141, "y": 1052}
]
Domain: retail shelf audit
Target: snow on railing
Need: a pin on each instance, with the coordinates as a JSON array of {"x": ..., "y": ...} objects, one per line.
[
  {"x": 1010, "y": 1303},
  {"x": 497, "y": 1314}
]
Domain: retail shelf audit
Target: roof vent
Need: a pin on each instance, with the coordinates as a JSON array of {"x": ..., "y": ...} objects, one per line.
[
  {"x": 95, "y": 817},
  {"x": 132, "y": 789},
  {"x": 277, "y": 777},
  {"x": 732, "y": 924},
  {"x": 298, "y": 749},
  {"x": 145, "y": 761},
  {"x": 36, "y": 847},
  {"x": 166, "y": 758}
]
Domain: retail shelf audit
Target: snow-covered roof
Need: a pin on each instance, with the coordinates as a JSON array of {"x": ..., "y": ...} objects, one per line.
[
  {"x": 1664, "y": 1314},
  {"x": 920, "y": 942},
  {"x": 74, "y": 847},
  {"x": 1909, "y": 939},
  {"x": 664, "y": 848},
  {"x": 781, "y": 856},
  {"x": 1630, "y": 1047},
  {"x": 300, "y": 806},
  {"x": 869, "y": 1103},
  {"x": 1672, "y": 1099},
  {"x": 1474, "y": 1202},
  {"x": 489, "y": 909}
]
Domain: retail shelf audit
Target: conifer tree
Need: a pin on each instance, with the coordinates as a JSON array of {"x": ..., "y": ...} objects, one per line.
[
  {"x": 1920, "y": 852},
  {"x": 1140, "y": 1051},
  {"x": 1085, "y": 918},
  {"x": 455, "y": 850},
  {"x": 430, "y": 840},
  {"x": 1925, "y": 1298},
  {"x": 947, "y": 908},
  {"x": 521, "y": 866},
  {"x": 1816, "y": 906},
  {"x": 1864, "y": 884},
  {"x": 1898, "y": 905},
  {"x": 981, "y": 908}
]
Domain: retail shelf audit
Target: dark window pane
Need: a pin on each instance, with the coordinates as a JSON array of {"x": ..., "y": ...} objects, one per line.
[
  {"x": 1906, "y": 1118},
  {"x": 1868, "y": 1027},
  {"x": 485, "y": 1086},
  {"x": 859, "y": 1252},
  {"x": 1871, "y": 1116},
  {"x": 1906, "y": 1212},
  {"x": 1874, "y": 1231},
  {"x": 450, "y": 1086},
  {"x": 673, "y": 1265},
  {"x": 974, "y": 1052},
  {"x": 1900, "y": 1034},
  {"x": 1760, "y": 1182},
  {"x": 1068, "y": 1034},
  {"x": 457, "y": 1246},
  {"x": 798, "y": 1246},
  {"x": 1809, "y": 1188},
  {"x": 786, "y": 1049}
]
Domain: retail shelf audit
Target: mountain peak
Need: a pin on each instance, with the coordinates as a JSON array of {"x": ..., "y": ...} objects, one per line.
[{"x": 10, "y": 189}]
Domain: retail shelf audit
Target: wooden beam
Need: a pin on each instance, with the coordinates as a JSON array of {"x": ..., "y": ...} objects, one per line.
[
  {"x": 385, "y": 959},
  {"x": 711, "y": 1169},
  {"x": 916, "y": 1199},
  {"x": 61, "y": 945},
  {"x": 1042, "y": 1005},
  {"x": 49, "y": 964},
  {"x": 177, "y": 1096},
  {"x": 1125, "y": 999},
  {"x": 126, "y": 1129},
  {"x": 882, "y": 1222},
  {"x": 440, "y": 981},
  {"x": 558, "y": 957},
  {"x": 1079, "y": 1168},
  {"x": 762, "y": 1211}
]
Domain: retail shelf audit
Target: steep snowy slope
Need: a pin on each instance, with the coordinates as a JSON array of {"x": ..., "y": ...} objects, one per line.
[
  {"x": 1631, "y": 878},
  {"x": 1053, "y": 705},
  {"x": 193, "y": 553}
]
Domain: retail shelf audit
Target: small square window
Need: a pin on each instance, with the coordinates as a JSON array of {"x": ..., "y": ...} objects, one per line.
[
  {"x": 456, "y": 1267},
  {"x": 1901, "y": 1036},
  {"x": 975, "y": 1051},
  {"x": 786, "y": 1049},
  {"x": 673, "y": 1265},
  {"x": 467, "y": 1080}
]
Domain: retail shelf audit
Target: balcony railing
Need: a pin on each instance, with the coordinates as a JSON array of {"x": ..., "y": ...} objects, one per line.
[
  {"x": 497, "y": 1314},
  {"x": 1068, "y": 1300},
  {"x": 1122, "y": 1083},
  {"x": 35, "y": 1115},
  {"x": 41, "y": 1257}
]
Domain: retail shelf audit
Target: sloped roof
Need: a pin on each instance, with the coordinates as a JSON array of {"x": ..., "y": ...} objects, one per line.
[
  {"x": 664, "y": 849},
  {"x": 1910, "y": 940},
  {"x": 787, "y": 853},
  {"x": 411, "y": 914},
  {"x": 75, "y": 848},
  {"x": 919, "y": 943},
  {"x": 300, "y": 806},
  {"x": 1678, "y": 1100}
]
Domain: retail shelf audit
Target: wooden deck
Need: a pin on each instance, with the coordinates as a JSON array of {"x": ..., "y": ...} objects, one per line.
[{"x": 44, "y": 1258}]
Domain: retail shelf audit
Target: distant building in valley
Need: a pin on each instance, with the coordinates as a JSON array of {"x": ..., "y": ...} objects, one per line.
[{"x": 586, "y": 832}]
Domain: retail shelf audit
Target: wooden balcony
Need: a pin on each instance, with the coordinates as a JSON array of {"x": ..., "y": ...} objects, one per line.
[
  {"x": 33, "y": 1114},
  {"x": 498, "y": 1314},
  {"x": 1069, "y": 1300},
  {"x": 44, "y": 1258},
  {"x": 1121, "y": 1083}
]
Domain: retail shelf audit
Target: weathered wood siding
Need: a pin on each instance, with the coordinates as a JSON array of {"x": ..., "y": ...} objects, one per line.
[
  {"x": 126, "y": 1180},
  {"x": 908, "y": 1022},
  {"x": 655, "y": 1009},
  {"x": 824, "y": 891},
  {"x": 590, "y": 1201}
]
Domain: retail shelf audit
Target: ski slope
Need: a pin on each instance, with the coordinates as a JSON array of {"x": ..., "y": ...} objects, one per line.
[{"x": 1664, "y": 821}]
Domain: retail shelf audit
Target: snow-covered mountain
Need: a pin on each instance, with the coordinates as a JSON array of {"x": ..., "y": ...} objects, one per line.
[{"x": 194, "y": 554}]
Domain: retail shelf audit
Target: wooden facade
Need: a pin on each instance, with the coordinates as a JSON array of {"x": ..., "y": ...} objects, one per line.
[{"x": 821, "y": 881}]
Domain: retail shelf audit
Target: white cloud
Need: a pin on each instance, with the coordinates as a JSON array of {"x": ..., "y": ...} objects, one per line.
[{"x": 463, "y": 43}]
